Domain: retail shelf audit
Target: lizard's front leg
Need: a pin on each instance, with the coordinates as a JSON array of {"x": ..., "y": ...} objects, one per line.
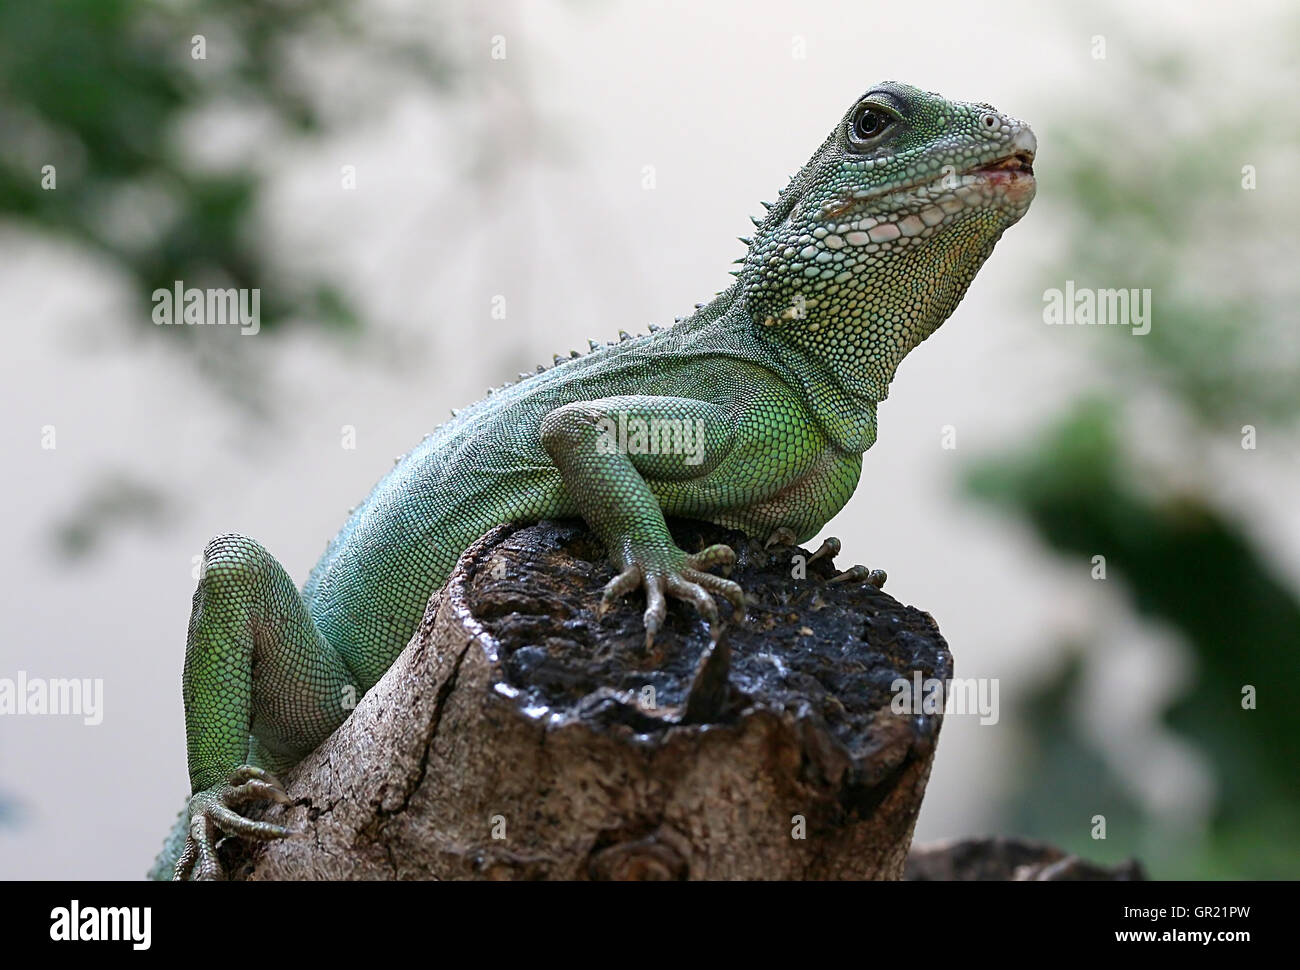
[{"x": 608, "y": 451}]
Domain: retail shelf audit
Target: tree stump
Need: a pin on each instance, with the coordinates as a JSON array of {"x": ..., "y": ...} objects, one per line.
[{"x": 518, "y": 736}]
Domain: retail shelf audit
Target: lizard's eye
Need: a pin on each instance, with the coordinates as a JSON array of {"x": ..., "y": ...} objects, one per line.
[{"x": 868, "y": 122}]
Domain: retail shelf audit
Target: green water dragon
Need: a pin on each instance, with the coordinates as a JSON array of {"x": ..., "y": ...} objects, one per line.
[{"x": 753, "y": 412}]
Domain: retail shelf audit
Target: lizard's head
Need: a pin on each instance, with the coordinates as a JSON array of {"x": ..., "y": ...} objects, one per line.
[{"x": 876, "y": 239}]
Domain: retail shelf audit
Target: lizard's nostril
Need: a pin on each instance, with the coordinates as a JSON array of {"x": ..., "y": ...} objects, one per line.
[{"x": 1024, "y": 141}]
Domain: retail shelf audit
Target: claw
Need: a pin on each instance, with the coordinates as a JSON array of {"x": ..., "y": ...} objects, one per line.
[
  {"x": 830, "y": 547},
  {"x": 656, "y": 608},
  {"x": 861, "y": 574},
  {"x": 783, "y": 536},
  {"x": 854, "y": 574},
  {"x": 617, "y": 588}
]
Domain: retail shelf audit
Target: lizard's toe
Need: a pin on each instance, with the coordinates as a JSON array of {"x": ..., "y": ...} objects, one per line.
[
  {"x": 685, "y": 589},
  {"x": 258, "y": 791},
  {"x": 716, "y": 555},
  {"x": 199, "y": 860},
  {"x": 830, "y": 547},
  {"x": 251, "y": 773},
  {"x": 723, "y": 587},
  {"x": 232, "y": 823},
  {"x": 618, "y": 587},
  {"x": 656, "y": 609},
  {"x": 861, "y": 574},
  {"x": 188, "y": 857}
]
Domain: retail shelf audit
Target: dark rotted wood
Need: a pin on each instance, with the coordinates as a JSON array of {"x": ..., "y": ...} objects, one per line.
[
  {"x": 996, "y": 858},
  {"x": 519, "y": 736}
]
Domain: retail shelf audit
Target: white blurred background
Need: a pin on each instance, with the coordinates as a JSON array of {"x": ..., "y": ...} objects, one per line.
[{"x": 524, "y": 178}]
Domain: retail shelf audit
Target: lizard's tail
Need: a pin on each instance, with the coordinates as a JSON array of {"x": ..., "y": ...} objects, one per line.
[{"x": 165, "y": 864}]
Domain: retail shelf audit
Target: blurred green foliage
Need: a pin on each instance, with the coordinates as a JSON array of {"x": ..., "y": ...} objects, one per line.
[
  {"x": 100, "y": 89},
  {"x": 112, "y": 137},
  {"x": 1164, "y": 204}
]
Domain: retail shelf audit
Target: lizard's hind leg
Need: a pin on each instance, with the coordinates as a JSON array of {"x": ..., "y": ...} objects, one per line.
[{"x": 255, "y": 666}]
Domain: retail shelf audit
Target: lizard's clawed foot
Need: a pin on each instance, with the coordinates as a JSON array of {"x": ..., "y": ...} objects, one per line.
[
  {"x": 212, "y": 812},
  {"x": 683, "y": 579}
]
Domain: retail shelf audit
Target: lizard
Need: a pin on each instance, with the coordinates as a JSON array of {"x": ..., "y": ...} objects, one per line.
[{"x": 765, "y": 399}]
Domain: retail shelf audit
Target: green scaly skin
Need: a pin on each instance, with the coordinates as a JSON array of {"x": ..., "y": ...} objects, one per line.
[{"x": 870, "y": 247}]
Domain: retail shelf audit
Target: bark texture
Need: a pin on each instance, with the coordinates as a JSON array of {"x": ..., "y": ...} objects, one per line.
[{"x": 521, "y": 737}]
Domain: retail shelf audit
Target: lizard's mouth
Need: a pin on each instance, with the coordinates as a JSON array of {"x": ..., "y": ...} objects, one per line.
[
  {"x": 1021, "y": 163},
  {"x": 1014, "y": 173}
]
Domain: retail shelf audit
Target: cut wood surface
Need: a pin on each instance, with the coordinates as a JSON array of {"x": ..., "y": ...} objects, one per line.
[{"x": 518, "y": 736}]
